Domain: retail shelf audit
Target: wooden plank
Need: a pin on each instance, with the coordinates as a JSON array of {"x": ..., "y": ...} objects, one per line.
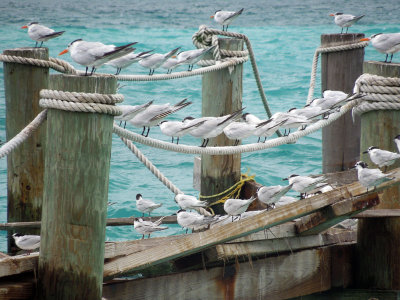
[
  {"x": 353, "y": 294},
  {"x": 12, "y": 290},
  {"x": 229, "y": 251},
  {"x": 378, "y": 213},
  {"x": 13, "y": 265},
  {"x": 335, "y": 213},
  {"x": 221, "y": 95},
  {"x": 342, "y": 265},
  {"x": 378, "y": 248},
  {"x": 278, "y": 277},
  {"x": 25, "y": 165},
  {"x": 339, "y": 71},
  {"x": 77, "y": 163},
  {"x": 198, "y": 241},
  {"x": 110, "y": 222}
]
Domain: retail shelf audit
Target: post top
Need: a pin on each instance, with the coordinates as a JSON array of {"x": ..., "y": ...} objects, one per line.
[
  {"x": 29, "y": 52},
  {"x": 382, "y": 69},
  {"x": 335, "y": 39}
]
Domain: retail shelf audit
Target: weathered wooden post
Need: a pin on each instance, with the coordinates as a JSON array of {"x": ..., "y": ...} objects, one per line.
[
  {"x": 75, "y": 195},
  {"x": 221, "y": 95},
  {"x": 25, "y": 164},
  {"x": 378, "y": 239},
  {"x": 339, "y": 71}
]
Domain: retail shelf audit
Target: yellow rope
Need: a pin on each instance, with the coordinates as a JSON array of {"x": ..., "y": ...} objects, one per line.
[{"x": 233, "y": 191}]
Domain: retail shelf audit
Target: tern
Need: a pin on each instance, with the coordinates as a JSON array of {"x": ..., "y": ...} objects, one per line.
[
  {"x": 272, "y": 194},
  {"x": 239, "y": 130},
  {"x": 153, "y": 115},
  {"x": 370, "y": 177},
  {"x": 27, "y": 242},
  {"x": 145, "y": 205},
  {"x": 225, "y": 18},
  {"x": 251, "y": 119},
  {"x": 267, "y": 128},
  {"x": 284, "y": 200},
  {"x": 212, "y": 127},
  {"x": 192, "y": 220},
  {"x": 345, "y": 20},
  {"x": 175, "y": 128},
  {"x": 305, "y": 184},
  {"x": 397, "y": 141},
  {"x": 147, "y": 227},
  {"x": 192, "y": 57},
  {"x": 387, "y": 43},
  {"x": 130, "y": 111},
  {"x": 156, "y": 60},
  {"x": 127, "y": 60},
  {"x": 290, "y": 121},
  {"x": 189, "y": 202},
  {"x": 234, "y": 207},
  {"x": 40, "y": 33},
  {"x": 170, "y": 64},
  {"x": 95, "y": 54},
  {"x": 382, "y": 158}
]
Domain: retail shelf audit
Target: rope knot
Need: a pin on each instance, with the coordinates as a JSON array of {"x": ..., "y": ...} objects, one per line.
[{"x": 81, "y": 102}]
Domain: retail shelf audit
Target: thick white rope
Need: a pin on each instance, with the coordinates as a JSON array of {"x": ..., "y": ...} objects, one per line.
[
  {"x": 81, "y": 102},
  {"x": 23, "y": 134},
  {"x": 226, "y": 150},
  {"x": 382, "y": 93},
  {"x": 326, "y": 50}
]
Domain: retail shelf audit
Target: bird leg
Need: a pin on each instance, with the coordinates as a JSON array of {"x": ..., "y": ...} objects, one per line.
[
  {"x": 86, "y": 71},
  {"x": 147, "y": 134},
  {"x": 93, "y": 70},
  {"x": 142, "y": 236},
  {"x": 347, "y": 29},
  {"x": 125, "y": 125},
  {"x": 41, "y": 44},
  {"x": 148, "y": 236},
  {"x": 265, "y": 138},
  {"x": 259, "y": 139},
  {"x": 172, "y": 141},
  {"x": 391, "y": 57},
  {"x": 144, "y": 128},
  {"x": 177, "y": 140},
  {"x": 386, "y": 57},
  {"x": 341, "y": 31}
]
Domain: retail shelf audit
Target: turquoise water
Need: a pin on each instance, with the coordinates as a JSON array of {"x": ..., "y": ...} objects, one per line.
[{"x": 284, "y": 36}]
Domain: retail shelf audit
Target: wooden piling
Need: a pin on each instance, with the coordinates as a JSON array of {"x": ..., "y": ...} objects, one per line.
[
  {"x": 221, "y": 95},
  {"x": 26, "y": 163},
  {"x": 77, "y": 165},
  {"x": 378, "y": 246},
  {"x": 339, "y": 71}
]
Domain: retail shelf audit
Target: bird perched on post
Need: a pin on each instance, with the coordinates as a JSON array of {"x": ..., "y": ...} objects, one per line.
[
  {"x": 40, "y": 33},
  {"x": 345, "y": 20},
  {"x": 95, "y": 54},
  {"x": 370, "y": 177},
  {"x": 382, "y": 158},
  {"x": 147, "y": 227},
  {"x": 27, "y": 242},
  {"x": 388, "y": 43},
  {"x": 225, "y": 18},
  {"x": 145, "y": 205}
]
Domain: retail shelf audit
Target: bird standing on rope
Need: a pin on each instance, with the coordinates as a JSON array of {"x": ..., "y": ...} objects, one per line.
[
  {"x": 147, "y": 227},
  {"x": 225, "y": 18},
  {"x": 388, "y": 43},
  {"x": 27, "y": 242},
  {"x": 267, "y": 128},
  {"x": 175, "y": 128},
  {"x": 130, "y": 111},
  {"x": 126, "y": 60},
  {"x": 40, "y": 33},
  {"x": 382, "y": 158},
  {"x": 95, "y": 54},
  {"x": 153, "y": 115},
  {"x": 212, "y": 127},
  {"x": 238, "y": 131},
  {"x": 234, "y": 207},
  {"x": 192, "y": 57},
  {"x": 370, "y": 177},
  {"x": 145, "y": 205},
  {"x": 170, "y": 64},
  {"x": 156, "y": 60},
  {"x": 345, "y": 20}
]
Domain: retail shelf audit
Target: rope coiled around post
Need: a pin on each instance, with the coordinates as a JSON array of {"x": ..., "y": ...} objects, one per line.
[
  {"x": 382, "y": 93},
  {"x": 81, "y": 102}
]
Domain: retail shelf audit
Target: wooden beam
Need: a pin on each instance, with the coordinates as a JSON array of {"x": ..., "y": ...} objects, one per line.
[
  {"x": 335, "y": 213},
  {"x": 23, "y": 289},
  {"x": 378, "y": 213},
  {"x": 13, "y": 265},
  {"x": 229, "y": 251},
  {"x": 354, "y": 294},
  {"x": 199, "y": 241},
  {"x": 270, "y": 278}
]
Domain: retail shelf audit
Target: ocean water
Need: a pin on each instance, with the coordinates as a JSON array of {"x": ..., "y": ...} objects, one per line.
[{"x": 284, "y": 35}]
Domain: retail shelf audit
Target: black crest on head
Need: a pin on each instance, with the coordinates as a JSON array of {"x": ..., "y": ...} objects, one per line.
[{"x": 138, "y": 196}]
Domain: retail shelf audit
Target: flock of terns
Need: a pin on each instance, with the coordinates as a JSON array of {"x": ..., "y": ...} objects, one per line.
[{"x": 95, "y": 54}]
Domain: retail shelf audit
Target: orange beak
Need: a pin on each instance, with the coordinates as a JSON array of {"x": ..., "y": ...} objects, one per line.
[
  {"x": 365, "y": 39},
  {"x": 63, "y": 52},
  {"x": 332, "y": 15},
  {"x": 212, "y": 17},
  {"x": 173, "y": 56},
  {"x": 23, "y": 27}
]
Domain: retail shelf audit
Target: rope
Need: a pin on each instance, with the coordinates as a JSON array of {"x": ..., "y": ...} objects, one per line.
[
  {"x": 23, "y": 134},
  {"x": 153, "y": 169},
  {"x": 382, "y": 93},
  {"x": 290, "y": 139},
  {"x": 327, "y": 50},
  {"x": 81, "y": 102}
]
